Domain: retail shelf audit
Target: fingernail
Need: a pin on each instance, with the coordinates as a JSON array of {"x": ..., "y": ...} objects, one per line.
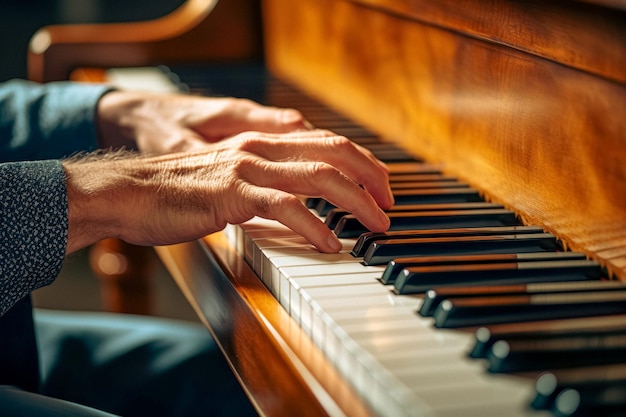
[
  {"x": 290, "y": 116},
  {"x": 334, "y": 243}
]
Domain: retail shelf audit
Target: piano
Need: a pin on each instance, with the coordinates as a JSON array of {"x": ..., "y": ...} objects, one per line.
[{"x": 500, "y": 289}]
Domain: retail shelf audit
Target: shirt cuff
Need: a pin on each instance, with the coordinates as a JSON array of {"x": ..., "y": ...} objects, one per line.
[{"x": 33, "y": 227}]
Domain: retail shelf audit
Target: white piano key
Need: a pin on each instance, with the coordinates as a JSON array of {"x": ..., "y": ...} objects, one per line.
[
  {"x": 281, "y": 270},
  {"x": 393, "y": 357},
  {"x": 295, "y": 284},
  {"x": 343, "y": 291}
]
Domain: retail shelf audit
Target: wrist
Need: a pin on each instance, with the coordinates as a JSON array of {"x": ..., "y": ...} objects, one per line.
[
  {"x": 96, "y": 191},
  {"x": 117, "y": 118}
]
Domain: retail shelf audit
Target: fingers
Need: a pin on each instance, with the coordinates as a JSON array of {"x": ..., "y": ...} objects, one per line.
[
  {"x": 319, "y": 179},
  {"x": 314, "y": 163},
  {"x": 276, "y": 120},
  {"x": 288, "y": 210},
  {"x": 239, "y": 115},
  {"x": 355, "y": 162}
]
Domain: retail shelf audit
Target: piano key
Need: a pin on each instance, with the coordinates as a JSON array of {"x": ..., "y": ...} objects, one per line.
[
  {"x": 481, "y": 311},
  {"x": 396, "y": 266},
  {"x": 416, "y": 196},
  {"x": 418, "y": 185},
  {"x": 366, "y": 239},
  {"x": 436, "y": 195},
  {"x": 398, "y": 178},
  {"x": 389, "y": 153},
  {"x": 485, "y": 337},
  {"x": 434, "y": 296},
  {"x": 560, "y": 351},
  {"x": 412, "y": 168},
  {"x": 334, "y": 215},
  {"x": 350, "y": 227},
  {"x": 549, "y": 384},
  {"x": 416, "y": 280},
  {"x": 607, "y": 400},
  {"x": 384, "y": 251},
  {"x": 420, "y": 196}
]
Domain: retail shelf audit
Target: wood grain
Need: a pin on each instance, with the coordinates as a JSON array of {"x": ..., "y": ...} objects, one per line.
[{"x": 543, "y": 137}]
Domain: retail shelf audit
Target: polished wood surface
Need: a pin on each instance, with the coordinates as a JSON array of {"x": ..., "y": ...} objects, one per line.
[
  {"x": 198, "y": 31},
  {"x": 532, "y": 114}
]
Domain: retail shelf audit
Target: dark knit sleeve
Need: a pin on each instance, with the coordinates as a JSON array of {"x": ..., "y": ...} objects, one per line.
[{"x": 33, "y": 227}]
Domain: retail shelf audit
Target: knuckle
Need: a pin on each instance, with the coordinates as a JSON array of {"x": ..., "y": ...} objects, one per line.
[
  {"x": 249, "y": 141},
  {"x": 270, "y": 205},
  {"x": 322, "y": 170},
  {"x": 340, "y": 143}
]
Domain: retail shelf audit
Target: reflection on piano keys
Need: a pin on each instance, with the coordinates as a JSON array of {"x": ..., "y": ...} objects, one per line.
[{"x": 513, "y": 294}]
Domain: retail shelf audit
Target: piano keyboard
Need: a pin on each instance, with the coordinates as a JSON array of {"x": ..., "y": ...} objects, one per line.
[{"x": 459, "y": 310}]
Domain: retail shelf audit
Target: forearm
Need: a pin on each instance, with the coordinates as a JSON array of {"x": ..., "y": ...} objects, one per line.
[{"x": 102, "y": 190}]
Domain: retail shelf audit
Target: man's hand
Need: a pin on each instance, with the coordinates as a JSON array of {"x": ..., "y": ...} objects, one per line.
[
  {"x": 166, "y": 123},
  {"x": 183, "y": 196}
]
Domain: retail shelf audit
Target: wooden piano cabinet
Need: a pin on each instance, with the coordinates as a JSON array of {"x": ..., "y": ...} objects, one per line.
[
  {"x": 523, "y": 99},
  {"x": 198, "y": 31}
]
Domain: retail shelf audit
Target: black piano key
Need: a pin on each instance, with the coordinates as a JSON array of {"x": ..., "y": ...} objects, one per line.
[
  {"x": 482, "y": 311},
  {"x": 436, "y": 195},
  {"x": 416, "y": 185},
  {"x": 485, "y": 337},
  {"x": 350, "y": 227},
  {"x": 366, "y": 239},
  {"x": 419, "y": 196},
  {"x": 388, "y": 153},
  {"x": 355, "y": 131},
  {"x": 605, "y": 400},
  {"x": 334, "y": 215},
  {"x": 588, "y": 381},
  {"x": 382, "y": 252},
  {"x": 312, "y": 202},
  {"x": 557, "y": 352},
  {"x": 413, "y": 168},
  {"x": 398, "y": 178},
  {"x": 417, "y": 280},
  {"x": 395, "y": 267},
  {"x": 324, "y": 207},
  {"x": 434, "y": 296}
]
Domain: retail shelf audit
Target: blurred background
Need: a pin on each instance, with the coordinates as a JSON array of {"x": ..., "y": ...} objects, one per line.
[
  {"x": 77, "y": 288},
  {"x": 20, "y": 19}
]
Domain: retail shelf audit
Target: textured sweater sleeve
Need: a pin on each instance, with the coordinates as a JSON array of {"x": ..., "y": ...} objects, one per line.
[
  {"x": 38, "y": 123},
  {"x": 33, "y": 227}
]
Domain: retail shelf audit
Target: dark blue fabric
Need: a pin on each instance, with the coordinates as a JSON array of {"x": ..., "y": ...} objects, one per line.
[
  {"x": 36, "y": 122},
  {"x": 19, "y": 364},
  {"x": 169, "y": 367},
  {"x": 47, "y": 121}
]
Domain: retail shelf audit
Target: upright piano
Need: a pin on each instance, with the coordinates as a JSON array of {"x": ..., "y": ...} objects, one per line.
[{"x": 500, "y": 289}]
